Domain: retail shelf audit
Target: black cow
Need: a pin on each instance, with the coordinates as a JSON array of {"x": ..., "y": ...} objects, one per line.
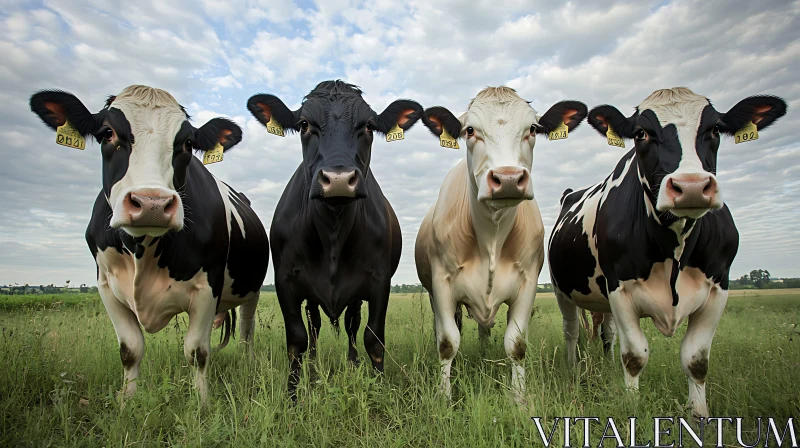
[
  {"x": 166, "y": 235},
  {"x": 655, "y": 238},
  {"x": 335, "y": 239}
]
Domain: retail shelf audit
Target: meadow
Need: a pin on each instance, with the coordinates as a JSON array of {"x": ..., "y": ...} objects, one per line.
[{"x": 60, "y": 371}]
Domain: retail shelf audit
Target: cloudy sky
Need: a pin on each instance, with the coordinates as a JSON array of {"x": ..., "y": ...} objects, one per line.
[{"x": 212, "y": 56}]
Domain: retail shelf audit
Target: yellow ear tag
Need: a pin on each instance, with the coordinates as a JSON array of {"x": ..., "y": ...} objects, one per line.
[
  {"x": 748, "y": 133},
  {"x": 66, "y": 135},
  {"x": 394, "y": 134},
  {"x": 614, "y": 139},
  {"x": 446, "y": 141},
  {"x": 213, "y": 155},
  {"x": 273, "y": 127},
  {"x": 559, "y": 133}
]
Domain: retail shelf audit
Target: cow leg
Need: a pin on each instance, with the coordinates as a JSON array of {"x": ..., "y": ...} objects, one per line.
[
  {"x": 314, "y": 324},
  {"x": 448, "y": 335},
  {"x": 296, "y": 336},
  {"x": 129, "y": 337},
  {"x": 247, "y": 323},
  {"x": 608, "y": 333},
  {"x": 696, "y": 346},
  {"x": 483, "y": 339},
  {"x": 197, "y": 345},
  {"x": 459, "y": 316},
  {"x": 374, "y": 340},
  {"x": 571, "y": 326},
  {"x": 515, "y": 341},
  {"x": 352, "y": 321},
  {"x": 633, "y": 346}
]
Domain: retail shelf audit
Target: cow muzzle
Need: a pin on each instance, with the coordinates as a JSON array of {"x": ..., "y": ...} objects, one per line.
[
  {"x": 150, "y": 211},
  {"x": 689, "y": 195},
  {"x": 338, "y": 184},
  {"x": 508, "y": 183}
]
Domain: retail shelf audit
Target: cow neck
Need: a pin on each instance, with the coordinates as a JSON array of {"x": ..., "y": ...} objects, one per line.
[
  {"x": 661, "y": 227},
  {"x": 492, "y": 226},
  {"x": 334, "y": 223}
]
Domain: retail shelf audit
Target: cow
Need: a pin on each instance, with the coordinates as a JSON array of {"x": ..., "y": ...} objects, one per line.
[
  {"x": 655, "y": 238},
  {"x": 166, "y": 235},
  {"x": 482, "y": 242},
  {"x": 595, "y": 329},
  {"x": 335, "y": 239}
]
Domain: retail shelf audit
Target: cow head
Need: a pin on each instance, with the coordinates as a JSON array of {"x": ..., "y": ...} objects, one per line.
[
  {"x": 676, "y": 134},
  {"x": 146, "y": 144},
  {"x": 336, "y": 129},
  {"x": 500, "y": 129}
]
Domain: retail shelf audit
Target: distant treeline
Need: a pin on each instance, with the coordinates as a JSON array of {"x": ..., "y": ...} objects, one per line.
[{"x": 45, "y": 289}]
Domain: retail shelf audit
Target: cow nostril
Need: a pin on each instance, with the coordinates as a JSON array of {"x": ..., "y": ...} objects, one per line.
[
  {"x": 523, "y": 180},
  {"x": 708, "y": 189},
  {"x": 353, "y": 181},
  {"x": 170, "y": 205},
  {"x": 324, "y": 179},
  {"x": 134, "y": 202},
  {"x": 494, "y": 180},
  {"x": 675, "y": 187}
]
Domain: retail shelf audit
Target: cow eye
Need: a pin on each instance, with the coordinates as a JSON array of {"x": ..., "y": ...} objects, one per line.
[
  {"x": 370, "y": 127},
  {"x": 534, "y": 128},
  {"x": 470, "y": 131},
  {"x": 188, "y": 145},
  {"x": 717, "y": 129},
  {"x": 640, "y": 135},
  {"x": 304, "y": 126},
  {"x": 108, "y": 134}
]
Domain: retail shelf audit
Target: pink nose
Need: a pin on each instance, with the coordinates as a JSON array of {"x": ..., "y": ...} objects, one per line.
[
  {"x": 508, "y": 182},
  {"x": 692, "y": 190},
  {"x": 148, "y": 208},
  {"x": 338, "y": 184}
]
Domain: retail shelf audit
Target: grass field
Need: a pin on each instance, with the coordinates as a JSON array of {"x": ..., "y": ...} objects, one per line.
[{"x": 60, "y": 371}]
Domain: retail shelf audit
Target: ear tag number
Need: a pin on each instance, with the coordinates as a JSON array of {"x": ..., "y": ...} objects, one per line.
[
  {"x": 614, "y": 139},
  {"x": 394, "y": 134},
  {"x": 66, "y": 135},
  {"x": 213, "y": 155},
  {"x": 559, "y": 133},
  {"x": 748, "y": 133},
  {"x": 446, "y": 141},
  {"x": 273, "y": 127}
]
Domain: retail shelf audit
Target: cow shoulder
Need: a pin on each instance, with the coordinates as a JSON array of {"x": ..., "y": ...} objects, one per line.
[
  {"x": 525, "y": 241},
  {"x": 453, "y": 235},
  {"x": 423, "y": 249},
  {"x": 716, "y": 247},
  {"x": 99, "y": 234}
]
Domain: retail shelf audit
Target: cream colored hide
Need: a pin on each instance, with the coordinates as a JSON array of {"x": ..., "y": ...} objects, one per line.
[{"x": 481, "y": 253}]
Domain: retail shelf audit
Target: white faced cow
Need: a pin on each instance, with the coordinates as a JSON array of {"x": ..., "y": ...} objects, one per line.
[
  {"x": 167, "y": 236},
  {"x": 482, "y": 243},
  {"x": 654, "y": 239}
]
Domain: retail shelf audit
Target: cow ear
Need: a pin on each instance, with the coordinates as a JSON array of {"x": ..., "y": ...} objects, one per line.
[
  {"x": 762, "y": 110},
  {"x": 56, "y": 107},
  {"x": 403, "y": 113},
  {"x": 218, "y": 130},
  {"x": 267, "y": 107},
  {"x": 570, "y": 113},
  {"x": 601, "y": 117},
  {"x": 437, "y": 118}
]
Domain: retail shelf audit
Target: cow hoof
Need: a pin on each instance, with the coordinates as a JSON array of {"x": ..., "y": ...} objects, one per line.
[{"x": 355, "y": 362}]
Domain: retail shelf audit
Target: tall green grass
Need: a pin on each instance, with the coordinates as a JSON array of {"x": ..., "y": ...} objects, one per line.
[{"x": 60, "y": 372}]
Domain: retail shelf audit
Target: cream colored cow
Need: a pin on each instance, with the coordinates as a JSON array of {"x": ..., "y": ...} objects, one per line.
[{"x": 482, "y": 243}]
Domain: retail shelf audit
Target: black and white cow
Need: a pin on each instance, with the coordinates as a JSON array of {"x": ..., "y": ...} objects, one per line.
[
  {"x": 335, "y": 239},
  {"x": 167, "y": 236},
  {"x": 655, "y": 239}
]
